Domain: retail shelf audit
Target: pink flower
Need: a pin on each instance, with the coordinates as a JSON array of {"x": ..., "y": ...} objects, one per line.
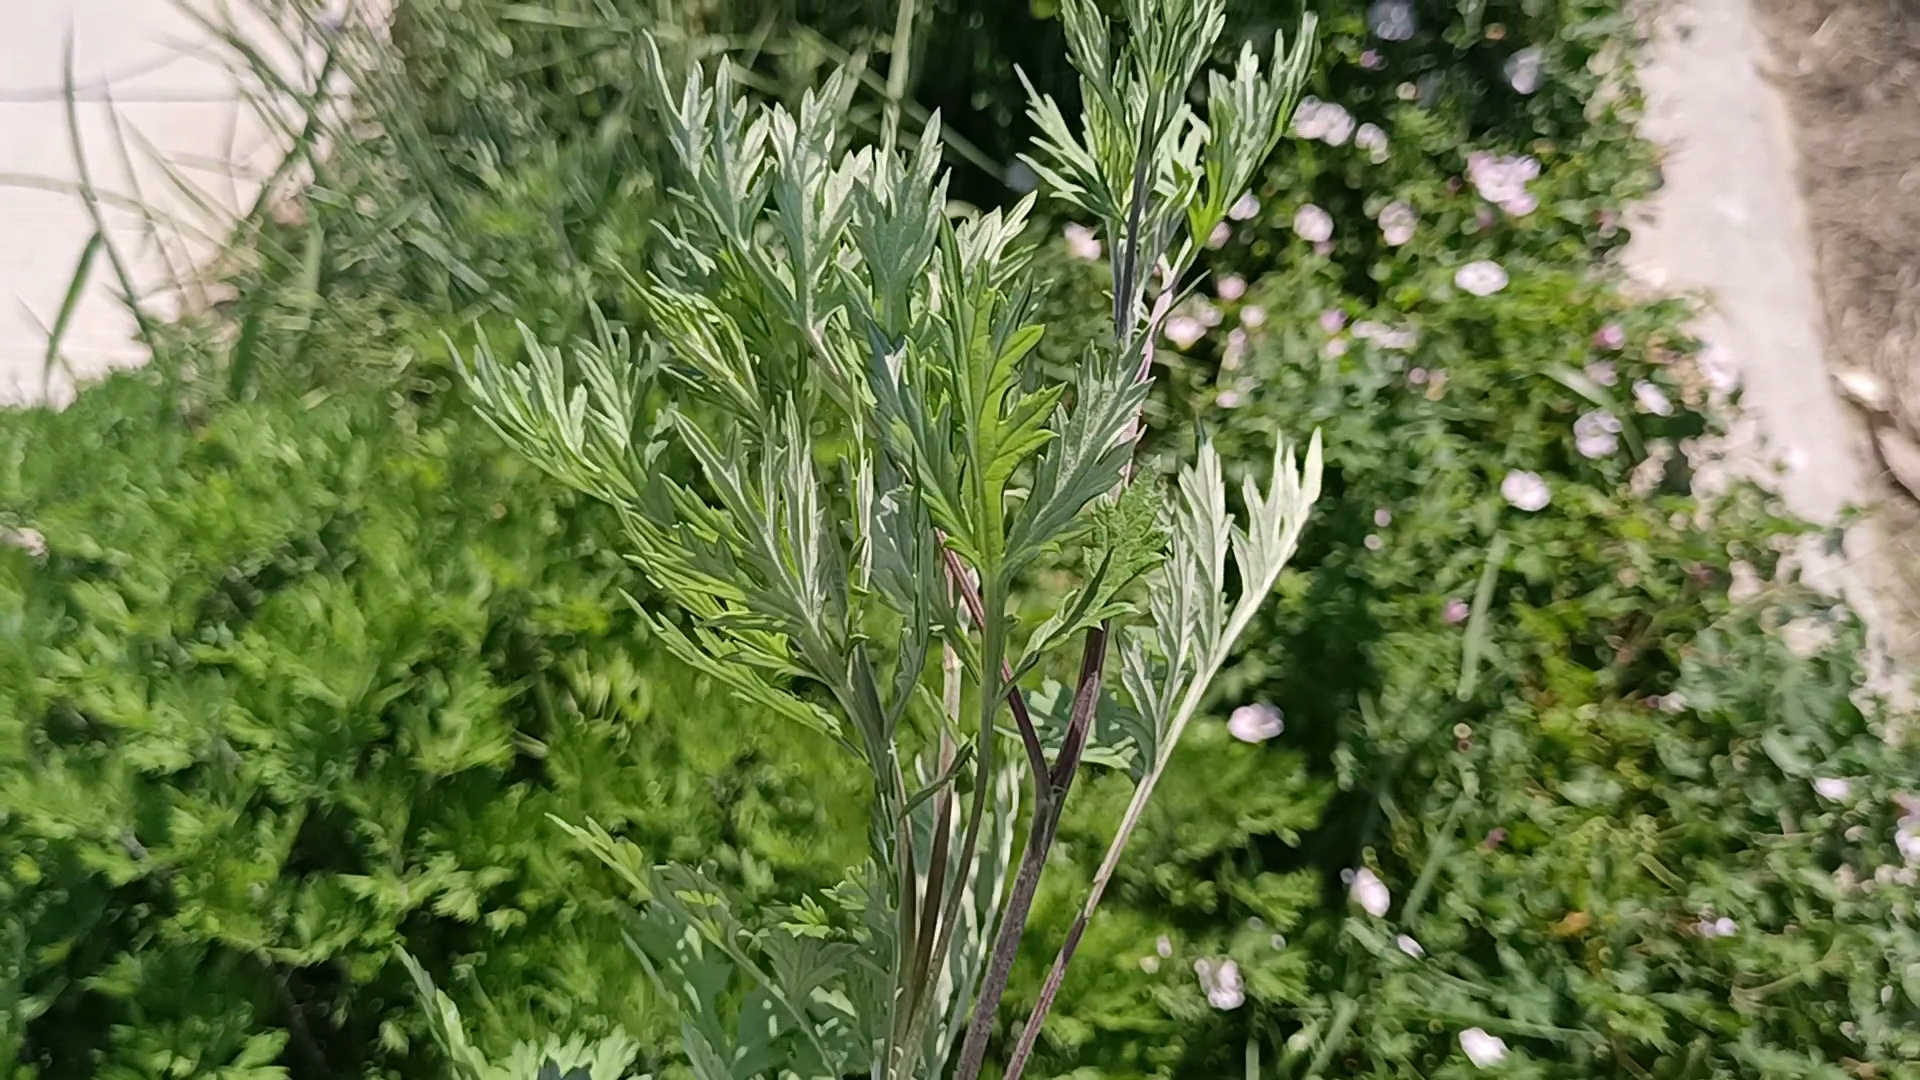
[
  {"x": 1231, "y": 287},
  {"x": 1218, "y": 238},
  {"x": 1832, "y": 788},
  {"x": 1409, "y": 946},
  {"x": 1082, "y": 243},
  {"x": 1602, "y": 372},
  {"x": 1322, "y": 120},
  {"x": 1652, "y": 399},
  {"x": 1397, "y": 221},
  {"x": 1256, "y": 723},
  {"x": 1312, "y": 223},
  {"x": 1416, "y": 376},
  {"x": 1596, "y": 434},
  {"x": 1611, "y": 336},
  {"x": 1481, "y": 1048},
  {"x": 1336, "y": 348},
  {"x": 1236, "y": 349},
  {"x": 1339, "y": 124},
  {"x": 1382, "y": 517},
  {"x": 1523, "y": 70},
  {"x": 1370, "y": 893},
  {"x": 1373, "y": 542},
  {"x": 1253, "y": 316},
  {"x": 1371, "y": 60},
  {"x": 1481, "y": 278},
  {"x": 1246, "y": 207},
  {"x": 1373, "y": 140},
  {"x": 1526, "y": 491},
  {"x": 1221, "y": 982},
  {"x": 1455, "y": 612},
  {"x": 1332, "y": 319},
  {"x": 1520, "y": 205},
  {"x": 1184, "y": 330},
  {"x": 1503, "y": 180}
]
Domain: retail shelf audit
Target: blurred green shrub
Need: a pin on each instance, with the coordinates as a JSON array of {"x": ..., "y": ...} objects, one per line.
[
  {"x": 285, "y": 692},
  {"x": 291, "y": 686}
]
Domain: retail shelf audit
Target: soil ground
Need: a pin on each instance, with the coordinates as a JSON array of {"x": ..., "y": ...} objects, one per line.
[{"x": 1849, "y": 73}]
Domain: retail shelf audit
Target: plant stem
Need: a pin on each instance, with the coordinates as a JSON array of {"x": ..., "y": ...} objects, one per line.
[
  {"x": 1016, "y": 701},
  {"x": 1086, "y": 699},
  {"x": 1033, "y": 861},
  {"x": 898, "y": 62}
]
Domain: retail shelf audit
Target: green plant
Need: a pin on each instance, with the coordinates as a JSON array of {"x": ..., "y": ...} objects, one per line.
[
  {"x": 821, "y": 315},
  {"x": 282, "y": 692}
]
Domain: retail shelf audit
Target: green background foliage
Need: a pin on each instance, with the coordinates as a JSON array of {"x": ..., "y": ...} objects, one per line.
[{"x": 311, "y": 656}]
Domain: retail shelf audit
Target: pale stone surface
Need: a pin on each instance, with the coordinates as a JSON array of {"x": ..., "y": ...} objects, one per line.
[
  {"x": 1729, "y": 226},
  {"x": 179, "y": 103}
]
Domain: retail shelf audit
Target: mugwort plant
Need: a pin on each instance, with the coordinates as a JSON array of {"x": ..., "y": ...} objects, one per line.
[{"x": 836, "y": 455}]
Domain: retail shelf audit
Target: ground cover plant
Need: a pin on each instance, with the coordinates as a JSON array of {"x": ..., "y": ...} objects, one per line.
[{"x": 1537, "y": 764}]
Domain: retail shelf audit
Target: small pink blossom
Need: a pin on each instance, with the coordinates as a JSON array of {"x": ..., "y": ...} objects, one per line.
[
  {"x": 1603, "y": 373},
  {"x": 1455, "y": 612},
  {"x": 1082, "y": 243},
  {"x": 1397, "y": 221},
  {"x": 1244, "y": 208},
  {"x": 1256, "y": 723},
  {"x": 1218, "y": 238},
  {"x": 1481, "y": 1048},
  {"x": 1312, "y": 223},
  {"x": 1416, "y": 376},
  {"x": 1322, "y": 120},
  {"x": 1481, "y": 278},
  {"x": 1710, "y": 927},
  {"x": 1596, "y": 434},
  {"x": 1500, "y": 179},
  {"x": 1401, "y": 340},
  {"x": 1220, "y": 980},
  {"x": 31, "y": 541},
  {"x": 1323, "y": 248},
  {"x": 1370, "y": 893},
  {"x": 1832, "y": 788},
  {"x": 1253, "y": 316},
  {"x": 1371, "y": 60},
  {"x": 1332, "y": 319},
  {"x": 1373, "y": 542},
  {"x": 1372, "y": 139},
  {"x": 1391, "y": 20},
  {"x": 1652, "y": 399},
  {"x": 1523, "y": 70},
  {"x": 1229, "y": 399},
  {"x": 1231, "y": 287},
  {"x": 1382, "y": 517},
  {"x": 1409, "y": 946},
  {"x": 1337, "y": 347},
  {"x": 1184, "y": 330},
  {"x": 1520, "y": 205},
  {"x": 1525, "y": 491},
  {"x": 1236, "y": 349},
  {"x": 1610, "y": 337}
]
